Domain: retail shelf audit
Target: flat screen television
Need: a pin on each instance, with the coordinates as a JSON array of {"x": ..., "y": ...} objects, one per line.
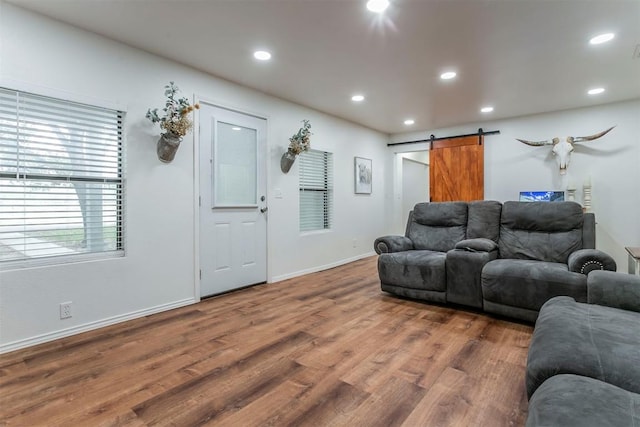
[{"x": 541, "y": 196}]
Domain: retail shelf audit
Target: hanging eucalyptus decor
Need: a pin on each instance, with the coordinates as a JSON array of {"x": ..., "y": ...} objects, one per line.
[
  {"x": 175, "y": 122},
  {"x": 298, "y": 143}
]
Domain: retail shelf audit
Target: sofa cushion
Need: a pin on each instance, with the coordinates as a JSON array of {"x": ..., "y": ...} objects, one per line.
[
  {"x": 438, "y": 226},
  {"x": 484, "y": 220},
  {"x": 571, "y": 400},
  {"x": 585, "y": 339},
  {"x": 529, "y": 284},
  {"x": 540, "y": 231},
  {"x": 423, "y": 270},
  {"x": 614, "y": 289}
]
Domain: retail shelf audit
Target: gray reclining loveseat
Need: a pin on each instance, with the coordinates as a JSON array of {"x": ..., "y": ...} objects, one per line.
[
  {"x": 583, "y": 367},
  {"x": 507, "y": 259}
]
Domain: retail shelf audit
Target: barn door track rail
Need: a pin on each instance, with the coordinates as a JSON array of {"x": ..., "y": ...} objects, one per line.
[{"x": 433, "y": 138}]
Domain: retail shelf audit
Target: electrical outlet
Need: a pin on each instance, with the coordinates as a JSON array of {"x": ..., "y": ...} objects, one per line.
[{"x": 65, "y": 310}]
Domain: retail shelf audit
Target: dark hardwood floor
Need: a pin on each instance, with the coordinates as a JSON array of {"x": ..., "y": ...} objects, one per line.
[{"x": 324, "y": 349}]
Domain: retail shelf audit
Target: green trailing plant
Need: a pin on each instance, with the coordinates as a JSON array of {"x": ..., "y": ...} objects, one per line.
[
  {"x": 300, "y": 141},
  {"x": 176, "y": 112}
]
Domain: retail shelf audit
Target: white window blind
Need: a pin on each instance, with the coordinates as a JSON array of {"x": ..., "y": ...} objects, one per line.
[
  {"x": 61, "y": 178},
  {"x": 316, "y": 190}
]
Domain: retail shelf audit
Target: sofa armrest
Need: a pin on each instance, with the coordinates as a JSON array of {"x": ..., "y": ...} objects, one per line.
[
  {"x": 387, "y": 244},
  {"x": 464, "y": 275},
  {"x": 587, "y": 260},
  {"x": 477, "y": 245},
  {"x": 613, "y": 289}
]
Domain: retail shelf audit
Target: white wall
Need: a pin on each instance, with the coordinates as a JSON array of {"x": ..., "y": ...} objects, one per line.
[
  {"x": 418, "y": 156},
  {"x": 612, "y": 162},
  {"x": 158, "y": 272},
  {"x": 415, "y": 185}
]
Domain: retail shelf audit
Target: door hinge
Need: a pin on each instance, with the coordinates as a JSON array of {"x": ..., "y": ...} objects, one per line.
[
  {"x": 199, "y": 200},
  {"x": 200, "y": 274}
]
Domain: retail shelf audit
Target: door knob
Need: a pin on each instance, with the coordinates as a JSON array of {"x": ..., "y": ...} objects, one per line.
[{"x": 263, "y": 210}]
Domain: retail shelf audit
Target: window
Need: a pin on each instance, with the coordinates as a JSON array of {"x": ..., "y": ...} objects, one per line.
[
  {"x": 316, "y": 190},
  {"x": 61, "y": 184}
]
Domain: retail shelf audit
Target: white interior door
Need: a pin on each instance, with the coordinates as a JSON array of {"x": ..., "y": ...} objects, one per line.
[{"x": 233, "y": 220}]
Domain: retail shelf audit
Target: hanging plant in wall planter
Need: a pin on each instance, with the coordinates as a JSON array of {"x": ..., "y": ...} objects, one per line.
[
  {"x": 175, "y": 122},
  {"x": 298, "y": 143}
]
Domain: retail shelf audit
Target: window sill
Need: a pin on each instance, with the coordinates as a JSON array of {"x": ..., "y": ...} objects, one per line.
[
  {"x": 315, "y": 232},
  {"x": 59, "y": 260}
]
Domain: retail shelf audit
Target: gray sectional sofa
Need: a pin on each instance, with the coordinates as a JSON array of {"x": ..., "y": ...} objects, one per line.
[
  {"x": 507, "y": 259},
  {"x": 583, "y": 367}
]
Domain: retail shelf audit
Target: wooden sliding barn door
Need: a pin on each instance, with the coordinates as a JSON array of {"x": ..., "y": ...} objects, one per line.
[{"x": 456, "y": 169}]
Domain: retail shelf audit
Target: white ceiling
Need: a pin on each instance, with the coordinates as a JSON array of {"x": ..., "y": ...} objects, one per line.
[{"x": 520, "y": 56}]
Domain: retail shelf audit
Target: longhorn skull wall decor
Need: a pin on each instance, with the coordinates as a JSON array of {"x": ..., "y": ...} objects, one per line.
[{"x": 562, "y": 147}]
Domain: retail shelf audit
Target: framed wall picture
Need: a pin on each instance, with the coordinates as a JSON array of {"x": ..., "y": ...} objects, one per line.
[{"x": 363, "y": 175}]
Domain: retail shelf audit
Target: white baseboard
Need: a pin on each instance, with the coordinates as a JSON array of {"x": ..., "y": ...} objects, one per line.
[
  {"x": 320, "y": 268},
  {"x": 50, "y": 336}
]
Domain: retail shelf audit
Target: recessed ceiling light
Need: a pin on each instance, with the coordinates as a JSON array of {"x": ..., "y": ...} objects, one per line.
[
  {"x": 595, "y": 91},
  {"x": 236, "y": 128},
  {"x": 448, "y": 75},
  {"x": 602, "y": 38},
  {"x": 357, "y": 98},
  {"x": 377, "y": 6},
  {"x": 262, "y": 55},
  {"x": 486, "y": 109},
  {"x": 409, "y": 122}
]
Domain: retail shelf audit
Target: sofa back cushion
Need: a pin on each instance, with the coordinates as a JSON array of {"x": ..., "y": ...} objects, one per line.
[
  {"x": 484, "y": 220},
  {"x": 438, "y": 226},
  {"x": 589, "y": 231},
  {"x": 541, "y": 231}
]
